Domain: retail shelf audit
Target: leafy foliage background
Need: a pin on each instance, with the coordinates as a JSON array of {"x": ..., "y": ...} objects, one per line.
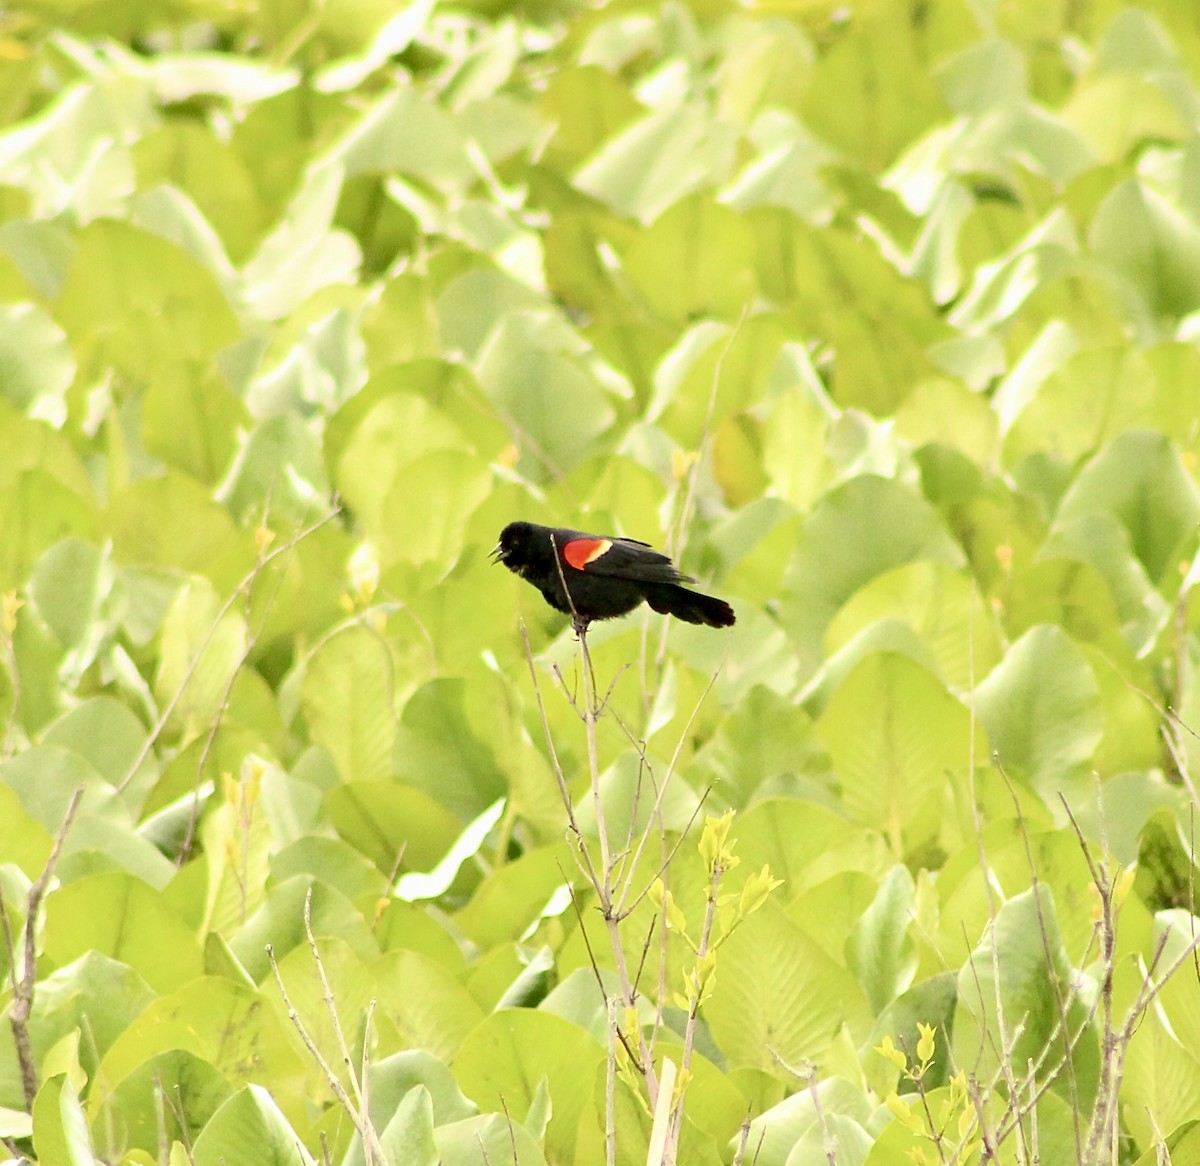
[{"x": 881, "y": 316}]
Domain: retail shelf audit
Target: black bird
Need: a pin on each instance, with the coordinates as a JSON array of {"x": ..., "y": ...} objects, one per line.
[{"x": 603, "y": 576}]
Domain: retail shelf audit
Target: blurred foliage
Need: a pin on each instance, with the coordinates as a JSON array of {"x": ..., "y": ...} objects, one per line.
[{"x": 883, "y": 317}]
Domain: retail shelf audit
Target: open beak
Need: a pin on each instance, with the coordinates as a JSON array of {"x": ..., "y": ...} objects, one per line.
[{"x": 497, "y": 554}]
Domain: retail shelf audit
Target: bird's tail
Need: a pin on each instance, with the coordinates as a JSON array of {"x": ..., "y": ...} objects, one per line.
[{"x": 690, "y": 606}]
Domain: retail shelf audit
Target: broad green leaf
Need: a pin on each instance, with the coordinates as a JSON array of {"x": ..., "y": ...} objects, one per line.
[
  {"x": 443, "y": 750},
  {"x": 879, "y": 77},
  {"x": 183, "y": 154},
  {"x": 892, "y": 769},
  {"x": 556, "y": 406},
  {"x": 145, "y": 300},
  {"x": 196, "y": 1090},
  {"x": 172, "y": 522},
  {"x": 393, "y": 1079},
  {"x": 223, "y": 1023},
  {"x": 409, "y": 1136},
  {"x": 36, "y": 366},
  {"x": 831, "y": 910},
  {"x": 487, "y": 1138},
  {"x": 60, "y": 1127},
  {"x": 777, "y": 1130},
  {"x": 716, "y": 371},
  {"x": 787, "y": 172},
  {"x": 658, "y": 160},
  {"x": 333, "y": 861},
  {"x": 279, "y": 924},
  {"x": 123, "y": 918},
  {"x": 37, "y": 510},
  {"x": 880, "y": 951},
  {"x": 424, "y": 510},
  {"x": 1146, "y": 110},
  {"x": 348, "y": 700},
  {"x": 45, "y": 777},
  {"x": 588, "y": 106},
  {"x": 1162, "y": 1080},
  {"x": 69, "y": 583},
  {"x": 777, "y": 994},
  {"x": 385, "y": 820},
  {"x": 939, "y": 602},
  {"x": 409, "y": 132},
  {"x": 514, "y": 895},
  {"x": 1014, "y": 993},
  {"x": 764, "y": 743},
  {"x": 860, "y": 529},
  {"x": 93, "y": 994},
  {"x": 24, "y": 841},
  {"x": 1152, "y": 250},
  {"x": 426, "y": 1007},
  {"x": 1041, "y": 709},
  {"x": 500, "y": 1063},
  {"x": 1138, "y": 479},
  {"x": 1099, "y": 539},
  {"x": 929, "y": 1002},
  {"x": 708, "y": 249},
  {"x": 203, "y": 647},
  {"x": 351, "y": 988},
  {"x": 250, "y": 1124},
  {"x": 379, "y": 431}
]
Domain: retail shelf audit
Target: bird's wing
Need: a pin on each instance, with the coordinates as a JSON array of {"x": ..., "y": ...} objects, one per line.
[{"x": 621, "y": 558}]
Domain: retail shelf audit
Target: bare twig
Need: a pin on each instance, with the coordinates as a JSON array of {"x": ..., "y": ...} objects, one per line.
[
  {"x": 23, "y": 987},
  {"x": 372, "y": 1149}
]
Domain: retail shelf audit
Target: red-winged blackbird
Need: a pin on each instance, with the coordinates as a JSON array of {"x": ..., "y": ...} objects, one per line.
[{"x": 605, "y": 576}]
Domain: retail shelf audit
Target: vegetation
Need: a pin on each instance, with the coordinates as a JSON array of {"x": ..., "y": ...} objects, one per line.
[{"x": 322, "y": 838}]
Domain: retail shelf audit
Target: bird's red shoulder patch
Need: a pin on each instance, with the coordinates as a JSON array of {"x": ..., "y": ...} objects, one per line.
[{"x": 581, "y": 551}]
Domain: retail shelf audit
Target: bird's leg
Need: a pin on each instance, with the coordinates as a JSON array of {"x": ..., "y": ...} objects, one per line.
[{"x": 580, "y": 624}]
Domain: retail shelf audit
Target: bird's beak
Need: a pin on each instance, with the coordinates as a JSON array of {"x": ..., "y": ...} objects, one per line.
[{"x": 497, "y": 554}]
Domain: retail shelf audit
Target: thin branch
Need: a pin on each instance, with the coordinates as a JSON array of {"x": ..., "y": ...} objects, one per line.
[{"x": 23, "y": 988}]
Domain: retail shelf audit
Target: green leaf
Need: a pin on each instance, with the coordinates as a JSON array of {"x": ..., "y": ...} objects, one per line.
[
  {"x": 103, "y": 731},
  {"x": 554, "y": 403},
  {"x": 424, "y": 512},
  {"x": 409, "y": 1136},
  {"x": 425, "y": 1005},
  {"x": 393, "y": 1079},
  {"x": 347, "y": 697},
  {"x": 500, "y": 1063},
  {"x": 190, "y": 419},
  {"x": 658, "y": 160},
  {"x": 279, "y": 924},
  {"x": 880, "y": 951},
  {"x": 225, "y": 1024},
  {"x": 121, "y": 917},
  {"x": 709, "y": 250},
  {"x": 196, "y": 1090},
  {"x": 777, "y": 1130},
  {"x": 144, "y": 299},
  {"x": 1152, "y": 249},
  {"x": 37, "y": 510},
  {"x": 60, "y": 1127},
  {"x": 443, "y": 751},
  {"x": 1041, "y": 709},
  {"x": 203, "y": 647},
  {"x": 250, "y": 1124},
  {"x": 384, "y": 820},
  {"x": 891, "y": 525},
  {"x": 1139, "y": 480},
  {"x": 36, "y": 365},
  {"x": 777, "y": 994},
  {"x": 1013, "y": 995},
  {"x": 892, "y": 769}
]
